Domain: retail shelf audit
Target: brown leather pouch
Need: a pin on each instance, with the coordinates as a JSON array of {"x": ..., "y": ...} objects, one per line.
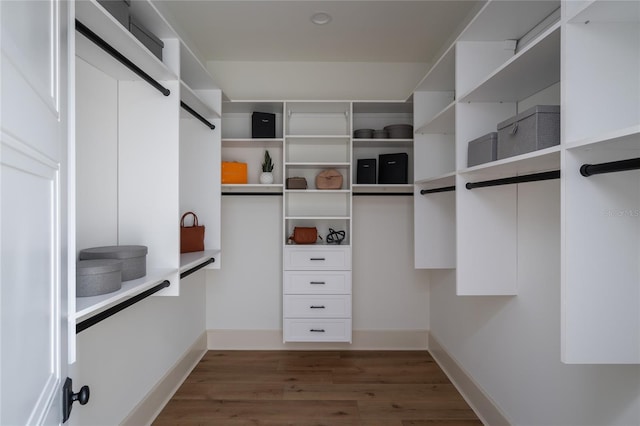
[{"x": 304, "y": 235}]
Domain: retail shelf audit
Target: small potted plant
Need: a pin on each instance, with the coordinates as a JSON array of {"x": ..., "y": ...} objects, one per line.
[{"x": 267, "y": 169}]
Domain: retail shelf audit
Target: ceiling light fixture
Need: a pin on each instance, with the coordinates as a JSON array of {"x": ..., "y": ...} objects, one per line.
[{"x": 321, "y": 18}]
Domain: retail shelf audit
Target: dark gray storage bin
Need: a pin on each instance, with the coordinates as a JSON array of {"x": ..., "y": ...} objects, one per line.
[
  {"x": 119, "y": 9},
  {"x": 482, "y": 150},
  {"x": 134, "y": 258},
  {"x": 399, "y": 131},
  {"x": 146, "y": 37},
  {"x": 531, "y": 130},
  {"x": 99, "y": 276}
]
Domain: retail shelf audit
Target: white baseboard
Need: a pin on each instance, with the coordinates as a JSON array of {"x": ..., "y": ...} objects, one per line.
[
  {"x": 148, "y": 409},
  {"x": 362, "y": 340},
  {"x": 479, "y": 401}
]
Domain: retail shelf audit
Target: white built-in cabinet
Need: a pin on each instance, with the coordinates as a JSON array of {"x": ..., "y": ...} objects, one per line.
[
  {"x": 312, "y": 136},
  {"x": 140, "y": 160},
  {"x": 586, "y": 59}
]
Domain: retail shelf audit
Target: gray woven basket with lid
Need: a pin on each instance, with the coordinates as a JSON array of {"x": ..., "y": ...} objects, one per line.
[{"x": 134, "y": 258}]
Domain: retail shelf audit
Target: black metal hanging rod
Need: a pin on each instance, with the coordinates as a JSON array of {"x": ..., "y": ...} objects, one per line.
[
  {"x": 435, "y": 190},
  {"x": 196, "y": 268},
  {"x": 587, "y": 170},
  {"x": 516, "y": 179},
  {"x": 383, "y": 194},
  {"x": 85, "y": 31},
  {"x": 196, "y": 115},
  {"x": 253, "y": 193},
  {"x": 83, "y": 325}
]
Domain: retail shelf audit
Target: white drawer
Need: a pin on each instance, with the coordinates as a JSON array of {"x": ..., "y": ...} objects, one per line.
[
  {"x": 307, "y": 306},
  {"x": 317, "y": 258},
  {"x": 317, "y": 330},
  {"x": 317, "y": 282}
]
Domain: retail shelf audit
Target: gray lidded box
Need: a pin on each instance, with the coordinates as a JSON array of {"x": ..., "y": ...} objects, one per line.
[
  {"x": 531, "y": 130},
  {"x": 482, "y": 150},
  {"x": 146, "y": 37},
  {"x": 119, "y": 9},
  {"x": 98, "y": 276},
  {"x": 134, "y": 258}
]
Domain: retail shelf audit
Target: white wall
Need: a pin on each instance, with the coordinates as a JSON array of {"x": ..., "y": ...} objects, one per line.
[
  {"x": 123, "y": 357},
  {"x": 246, "y": 293},
  {"x": 510, "y": 346},
  {"x": 244, "y": 80}
]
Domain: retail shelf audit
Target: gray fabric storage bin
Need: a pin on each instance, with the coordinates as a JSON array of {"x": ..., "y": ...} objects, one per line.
[
  {"x": 482, "y": 150},
  {"x": 531, "y": 130},
  {"x": 119, "y": 9},
  {"x": 134, "y": 258},
  {"x": 98, "y": 276},
  {"x": 146, "y": 37}
]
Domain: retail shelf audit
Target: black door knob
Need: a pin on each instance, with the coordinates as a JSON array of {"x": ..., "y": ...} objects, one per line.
[{"x": 69, "y": 397}]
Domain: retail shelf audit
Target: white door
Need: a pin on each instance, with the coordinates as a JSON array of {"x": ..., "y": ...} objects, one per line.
[{"x": 33, "y": 210}]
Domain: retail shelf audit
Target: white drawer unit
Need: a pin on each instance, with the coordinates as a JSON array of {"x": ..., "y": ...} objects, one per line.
[
  {"x": 317, "y": 282},
  {"x": 314, "y": 306},
  {"x": 317, "y": 258},
  {"x": 317, "y": 330}
]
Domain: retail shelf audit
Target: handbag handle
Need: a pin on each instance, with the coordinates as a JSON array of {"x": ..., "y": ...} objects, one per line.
[{"x": 195, "y": 219}]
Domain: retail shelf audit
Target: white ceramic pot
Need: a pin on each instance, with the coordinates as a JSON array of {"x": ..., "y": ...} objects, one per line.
[{"x": 266, "y": 177}]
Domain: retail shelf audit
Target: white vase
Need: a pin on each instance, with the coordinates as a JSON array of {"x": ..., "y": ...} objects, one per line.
[{"x": 266, "y": 177}]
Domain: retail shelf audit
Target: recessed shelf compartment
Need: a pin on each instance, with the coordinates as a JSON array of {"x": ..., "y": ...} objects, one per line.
[
  {"x": 531, "y": 70},
  {"x": 443, "y": 123},
  {"x": 98, "y": 20}
]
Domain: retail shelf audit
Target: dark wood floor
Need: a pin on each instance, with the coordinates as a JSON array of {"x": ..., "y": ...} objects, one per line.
[{"x": 305, "y": 388}]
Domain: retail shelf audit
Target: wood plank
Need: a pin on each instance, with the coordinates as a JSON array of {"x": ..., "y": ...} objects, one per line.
[{"x": 313, "y": 388}]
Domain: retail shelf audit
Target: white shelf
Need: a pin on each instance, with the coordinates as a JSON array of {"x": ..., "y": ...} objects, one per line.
[
  {"x": 374, "y": 188},
  {"x": 629, "y": 135},
  {"x": 98, "y": 20},
  {"x": 87, "y": 307},
  {"x": 378, "y": 143},
  {"x": 193, "y": 72},
  {"x": 318, "y": 136},
  {"x": 319, "y": 191},
  {"x": 317, "y": 217},
  {"x": 248, "y": 187},
  {"x": 190, "y": 260},
  {"x": 608, "y": 11},
  {"x": 443, "y": 123},
  {"x": 532, "y": 162},
  {"x": 316, "y": 165},
  {"x": 534, "y": 68},
  {"x": 448, "y": 179}
]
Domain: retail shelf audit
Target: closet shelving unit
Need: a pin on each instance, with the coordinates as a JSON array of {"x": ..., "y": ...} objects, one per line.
[
  {"x": 122, "y": 119},
  {"x": 317, "y": 277},
  {"x": 591, "y": 45},
  {"x": 238, "y": 145},
  {"x": 376, "y": 115},
  {"x": 601, "y": 213}
]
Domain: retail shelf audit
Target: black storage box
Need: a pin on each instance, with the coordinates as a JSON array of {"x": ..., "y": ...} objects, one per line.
[
  {"x": 393, "y": 168},
  {"x": 146, "y": 37},
  {"x": 263, "y": 125},
  {"x": 366, "y": 171},
  {"x": 119, "y": 9}
]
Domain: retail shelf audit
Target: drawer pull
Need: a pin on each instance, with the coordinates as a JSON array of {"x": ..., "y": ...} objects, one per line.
[
  {"x": 317, "y": 258},
  {"x": 317, "y": 307},
  {"x": 317, "y": 330},
  {"x": 317, "y": 282}
]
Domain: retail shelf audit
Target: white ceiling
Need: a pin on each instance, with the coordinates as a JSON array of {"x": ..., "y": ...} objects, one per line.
[{"x": 360, "y": 31}]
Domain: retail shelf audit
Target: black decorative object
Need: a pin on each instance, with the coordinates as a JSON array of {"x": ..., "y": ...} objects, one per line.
[{"x": 335, "y": 237}]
